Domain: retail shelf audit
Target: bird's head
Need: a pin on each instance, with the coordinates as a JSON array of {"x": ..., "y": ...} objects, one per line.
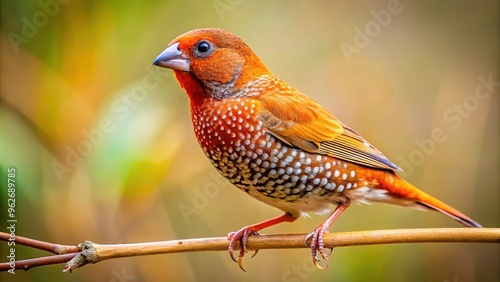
[{"x": 211, "y": 63}]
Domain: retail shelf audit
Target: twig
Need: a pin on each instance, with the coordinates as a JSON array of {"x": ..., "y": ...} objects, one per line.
[
  {"x": 41, "y": 245},
  {"x": 30, "y": 263},
  {"x": 92, "y": 252}
]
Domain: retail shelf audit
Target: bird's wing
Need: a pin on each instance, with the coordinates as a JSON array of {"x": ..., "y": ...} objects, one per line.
[{"x": 300, "y": 122}]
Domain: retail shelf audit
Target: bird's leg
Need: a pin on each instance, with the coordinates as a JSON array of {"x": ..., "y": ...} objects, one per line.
[
  {"x": 319, "y": 232},
  {"x": 247, "y": 231}
]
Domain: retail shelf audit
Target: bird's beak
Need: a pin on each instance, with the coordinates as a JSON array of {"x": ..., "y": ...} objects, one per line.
[{"x": 172, "y": 58}]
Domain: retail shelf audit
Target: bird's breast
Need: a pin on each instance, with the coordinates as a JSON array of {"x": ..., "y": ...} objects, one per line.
[
  {"x": 227, "y": 124},
  {"x": 238, "y": 146}
]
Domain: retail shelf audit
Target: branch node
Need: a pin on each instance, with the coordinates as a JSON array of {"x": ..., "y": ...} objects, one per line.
[{"x": 88, "y": 254}]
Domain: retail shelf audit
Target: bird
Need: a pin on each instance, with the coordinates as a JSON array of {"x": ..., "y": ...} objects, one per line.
[{"x": 278, "y": 145}]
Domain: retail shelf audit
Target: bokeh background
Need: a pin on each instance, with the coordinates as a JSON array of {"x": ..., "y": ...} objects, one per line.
[{"x": 104, "y": 148}]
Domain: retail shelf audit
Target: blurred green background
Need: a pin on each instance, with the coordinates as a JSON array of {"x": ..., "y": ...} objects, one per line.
[{"x": 104, "y": 148}]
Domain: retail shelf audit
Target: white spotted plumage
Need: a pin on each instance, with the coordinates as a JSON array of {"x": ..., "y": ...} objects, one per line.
[{"x": 288, "y": 178}]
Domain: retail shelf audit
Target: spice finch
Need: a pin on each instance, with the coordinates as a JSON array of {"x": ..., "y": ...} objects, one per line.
[{"x": 278, "y": 145}]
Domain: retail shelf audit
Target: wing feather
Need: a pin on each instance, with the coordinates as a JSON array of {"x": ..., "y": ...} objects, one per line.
[{"x": 298, "y": 121}]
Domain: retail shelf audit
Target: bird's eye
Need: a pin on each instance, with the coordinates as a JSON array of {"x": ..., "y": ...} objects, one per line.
[{"x": 203, "y": 49}]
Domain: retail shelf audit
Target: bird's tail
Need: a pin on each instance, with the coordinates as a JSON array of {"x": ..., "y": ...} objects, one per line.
[{"x": 406, "y": 194}]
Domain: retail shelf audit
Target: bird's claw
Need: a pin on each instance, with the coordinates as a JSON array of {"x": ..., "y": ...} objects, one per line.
[
  {"x": 256, "y": 251},
  {"x": 240, "y": 236},
  {"x": 317, "y": 245},
  {"x": 316, "y": 263}
]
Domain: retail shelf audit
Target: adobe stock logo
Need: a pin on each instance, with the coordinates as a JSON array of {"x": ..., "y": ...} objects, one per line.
[
  {"x": 224, "y": 6},
  {"x": 363, "y": 37},
  {"x": 299, "y": 272},
  {"x": 454, "y": 116},
  {"x": 202, "y": 196},
  {"x": 39, "y": 19},
  {"x": 121, "y": 108}
]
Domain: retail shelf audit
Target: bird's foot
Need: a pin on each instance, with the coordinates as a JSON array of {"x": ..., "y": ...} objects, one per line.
[
  {"x": 317, "y": 244},
  {"x": 241, "y": 236}
]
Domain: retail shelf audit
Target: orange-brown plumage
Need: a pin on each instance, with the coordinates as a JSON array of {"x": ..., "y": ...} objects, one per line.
[{"x": 277, "y": 144}]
